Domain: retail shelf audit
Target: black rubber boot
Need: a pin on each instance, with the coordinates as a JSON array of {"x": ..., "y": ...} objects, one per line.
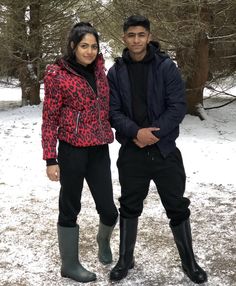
[
  {"x": 103, "y": 240},
  {"x": 128, "y": 234},
  {"x": 68, "y": 238},
  {"x": 183, "y": 240}
]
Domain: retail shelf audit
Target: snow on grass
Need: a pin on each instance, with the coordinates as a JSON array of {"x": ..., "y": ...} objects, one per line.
[{"x": 29, "y": 206}]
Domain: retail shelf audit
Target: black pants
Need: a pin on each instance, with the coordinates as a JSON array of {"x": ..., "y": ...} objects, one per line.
[
  {"x": 92, "y": 164},
  {"x": 137, "y": 167}
]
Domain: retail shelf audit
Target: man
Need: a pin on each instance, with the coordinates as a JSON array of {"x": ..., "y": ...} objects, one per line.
[{"x": 147, "y": 105}]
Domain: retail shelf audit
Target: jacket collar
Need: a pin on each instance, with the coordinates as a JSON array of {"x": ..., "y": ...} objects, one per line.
[{"x": 98, "y": 65}]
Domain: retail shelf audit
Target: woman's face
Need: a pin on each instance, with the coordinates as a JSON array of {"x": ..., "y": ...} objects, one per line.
[{"x": 86, "y": 50}]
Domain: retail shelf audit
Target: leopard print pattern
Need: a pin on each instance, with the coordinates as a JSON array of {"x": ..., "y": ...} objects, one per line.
[{"x": 72, "y": 111}]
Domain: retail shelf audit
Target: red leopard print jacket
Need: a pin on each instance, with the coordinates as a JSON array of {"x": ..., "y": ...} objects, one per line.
[{"x": 72, "y": 112}]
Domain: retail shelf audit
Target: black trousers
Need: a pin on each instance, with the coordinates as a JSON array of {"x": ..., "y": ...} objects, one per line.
[
  {"x": 93, "y": 165},
  {"x": 137, "y": 167}
]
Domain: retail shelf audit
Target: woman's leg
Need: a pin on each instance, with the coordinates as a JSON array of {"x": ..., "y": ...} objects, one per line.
[
  {"x": 72, "y": 162},
  {"x": 99, "y": 180}
]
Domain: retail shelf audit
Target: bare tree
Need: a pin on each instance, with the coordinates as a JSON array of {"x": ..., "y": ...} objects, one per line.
[
  {"x": 199, "y": 35},
  {"x": 22, "y": 45},
  {"x": 33, "y": 33}
]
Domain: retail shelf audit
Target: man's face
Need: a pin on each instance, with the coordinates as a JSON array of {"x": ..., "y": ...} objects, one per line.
[{"x": 136, "y": 39}]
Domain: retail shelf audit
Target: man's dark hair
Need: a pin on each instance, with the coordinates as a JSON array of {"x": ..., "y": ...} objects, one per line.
[{"x": 136, "y": 20}]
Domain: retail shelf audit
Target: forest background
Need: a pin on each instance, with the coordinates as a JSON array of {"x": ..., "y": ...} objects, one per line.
[{"x": 200, "y": 35}]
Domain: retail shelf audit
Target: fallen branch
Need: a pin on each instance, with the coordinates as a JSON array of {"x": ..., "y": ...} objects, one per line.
[
  {"x": 220, "y": 91},
  {"x": 219, "y": 106}
]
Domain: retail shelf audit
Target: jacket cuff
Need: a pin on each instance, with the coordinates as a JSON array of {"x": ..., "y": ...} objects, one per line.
[
  {"x": 134, "y": 133},
  {"x": 50, "y": 162}
]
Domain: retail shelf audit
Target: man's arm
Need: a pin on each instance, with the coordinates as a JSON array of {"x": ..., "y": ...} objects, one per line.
[
  {"x": 175, "y": 101},
  {"x": 122, "y": 123},
  {"x": 119, "y": 120}
]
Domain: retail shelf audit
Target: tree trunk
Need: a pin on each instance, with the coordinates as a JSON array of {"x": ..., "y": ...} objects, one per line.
[
  {"x": 195, "y": 83},
  {"x": 35, "y": 54},
  {"x": 194, "y": 60},
  {"x": 195, "y": 65},
  {"x": 30, "y": 86}
]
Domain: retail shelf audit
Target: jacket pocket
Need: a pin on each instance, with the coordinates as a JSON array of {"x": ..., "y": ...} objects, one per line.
[{"x": 69, "y": 119}]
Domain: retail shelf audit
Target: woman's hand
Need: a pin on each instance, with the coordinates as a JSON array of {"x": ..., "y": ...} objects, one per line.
[{"x": 53, "y": 172}]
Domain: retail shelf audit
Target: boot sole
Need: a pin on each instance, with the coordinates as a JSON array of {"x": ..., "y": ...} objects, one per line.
[
  {"x": 79, "y": 280},
  {"x": 124, "y": 275},
  {"x": 103, "y": 261},
  {"x": 194, "y": 280}
]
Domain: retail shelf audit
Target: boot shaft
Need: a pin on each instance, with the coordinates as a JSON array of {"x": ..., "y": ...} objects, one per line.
[
  {"x": 128, "y": 235},
  {"x": 105, "y": 231},
  {"x": 183, "y": 240},
  {"x": 68, "y": 240},
  {"x": 103, "y": 240}
]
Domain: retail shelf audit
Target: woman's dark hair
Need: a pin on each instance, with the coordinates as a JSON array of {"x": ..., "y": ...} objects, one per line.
[
  {"x": 136, "y": 20},
  {"x": 77, "y": 34}
]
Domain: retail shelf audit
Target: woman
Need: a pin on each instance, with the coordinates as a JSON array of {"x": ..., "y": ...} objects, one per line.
[{"x": 75, "y": 112}]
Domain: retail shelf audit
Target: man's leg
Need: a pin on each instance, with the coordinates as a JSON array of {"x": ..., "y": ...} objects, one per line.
[
  {"x": 170, "y": 180},
  {"x": 134, "y": 182},
  {"x": 169, "y": 177}
]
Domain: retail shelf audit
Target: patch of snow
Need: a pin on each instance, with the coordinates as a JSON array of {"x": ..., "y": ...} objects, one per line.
[{"x": 29, "y": 207}]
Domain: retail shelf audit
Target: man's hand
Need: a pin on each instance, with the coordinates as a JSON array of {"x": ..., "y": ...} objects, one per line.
[
  {"x": 53, "y": 172},
  {"x": 138, "y": 143},
  {"x": 145, "y": 137}
]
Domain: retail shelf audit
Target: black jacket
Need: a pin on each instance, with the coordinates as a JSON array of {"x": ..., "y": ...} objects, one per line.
[{"x": 165, "y": 99}]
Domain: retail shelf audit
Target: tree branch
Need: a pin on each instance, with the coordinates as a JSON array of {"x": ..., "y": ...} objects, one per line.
[
  {"x": 219, "y": 106},
  {"x": 220, "y": 91}
]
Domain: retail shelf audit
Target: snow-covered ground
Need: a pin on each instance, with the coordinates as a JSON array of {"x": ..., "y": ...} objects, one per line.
[{"x": 28, "y": 206}]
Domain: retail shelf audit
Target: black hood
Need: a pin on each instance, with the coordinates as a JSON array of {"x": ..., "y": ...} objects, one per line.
[{"x": 155, "y": 46}]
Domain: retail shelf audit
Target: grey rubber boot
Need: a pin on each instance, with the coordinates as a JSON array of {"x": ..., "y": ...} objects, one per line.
[
  {"x": 103, "y": 240},
  {"x": 68, "y": 238},
  {"x": 183, "y": 240}
]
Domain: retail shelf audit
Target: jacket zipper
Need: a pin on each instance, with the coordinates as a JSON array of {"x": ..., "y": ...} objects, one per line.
[
  {"x": 77, "y": 123},
  {"x": 97, "y": 98},
  {"x": 99, "y": 117}
]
